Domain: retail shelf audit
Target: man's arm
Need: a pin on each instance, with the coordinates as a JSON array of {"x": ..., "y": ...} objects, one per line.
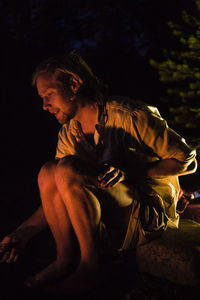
[
  {"x": 170, "y": 167},
  {"x": 12, "y": 245},
  {"x": 37, "y": 221},
  {"x": 175, "y": 156}
]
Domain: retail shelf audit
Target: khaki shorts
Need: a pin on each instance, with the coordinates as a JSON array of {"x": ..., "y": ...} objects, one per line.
[
  {"x": 147, "y": 216},
  {"x": 146, "y": 221}
]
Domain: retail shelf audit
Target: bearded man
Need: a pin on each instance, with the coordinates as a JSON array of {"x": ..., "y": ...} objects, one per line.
[{"x": 113, "y": 184}]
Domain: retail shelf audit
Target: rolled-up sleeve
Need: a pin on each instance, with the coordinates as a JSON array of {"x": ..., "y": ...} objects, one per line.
[
  {"x": 153, "y": 131},
  {"x": 64, "y": 145}
]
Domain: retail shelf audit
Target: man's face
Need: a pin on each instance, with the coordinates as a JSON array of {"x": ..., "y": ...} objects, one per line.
[{"x": 55, "y": 99}]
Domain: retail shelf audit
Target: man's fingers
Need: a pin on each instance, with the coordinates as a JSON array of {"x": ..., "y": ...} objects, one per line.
[
  {"x": 15, "y": 258},
  {"x": 109, "y": 178},
  {"x": 5, "y": 243},
  {"x": 2, "y": 247},
  {"x": 12, "y": 255},
  {"x": 116, "y": 180},
  {"x": 10, "y": 248},
  {"x": 5, "y": 256},
  {"x": 108, "y": 169}
]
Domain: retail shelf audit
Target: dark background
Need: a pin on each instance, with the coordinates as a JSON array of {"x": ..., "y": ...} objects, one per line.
[{"x": 117, "y": 39}]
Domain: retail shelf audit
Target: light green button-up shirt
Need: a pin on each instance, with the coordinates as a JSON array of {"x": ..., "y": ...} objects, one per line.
[{"x": 130, "y": 131}]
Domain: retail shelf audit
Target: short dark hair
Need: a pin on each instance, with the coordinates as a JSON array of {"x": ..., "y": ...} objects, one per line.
[{"x": 72, "y": 64}]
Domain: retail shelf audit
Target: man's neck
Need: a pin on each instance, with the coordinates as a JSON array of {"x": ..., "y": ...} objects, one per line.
[{"x": 87, "y": 116}]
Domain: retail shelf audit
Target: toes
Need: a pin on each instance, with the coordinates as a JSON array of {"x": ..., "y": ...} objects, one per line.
[{"x": 32, "y": 282}]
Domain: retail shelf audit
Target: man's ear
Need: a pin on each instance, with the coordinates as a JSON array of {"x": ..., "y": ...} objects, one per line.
[{"x": 74, "y": 84}]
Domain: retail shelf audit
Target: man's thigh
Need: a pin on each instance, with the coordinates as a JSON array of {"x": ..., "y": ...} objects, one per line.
[
  {"x": 115, "y": 203},
  {"x": 86, "y": 170}
]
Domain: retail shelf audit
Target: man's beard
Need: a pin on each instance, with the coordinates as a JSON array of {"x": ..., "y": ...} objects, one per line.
[{"x": 66, "y": 117}]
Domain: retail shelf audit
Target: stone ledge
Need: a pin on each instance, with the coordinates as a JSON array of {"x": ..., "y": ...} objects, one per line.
[{"x": 175, "y": 256}]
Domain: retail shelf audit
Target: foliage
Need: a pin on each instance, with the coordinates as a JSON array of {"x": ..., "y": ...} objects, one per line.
[{"x": 180, "y": 73}]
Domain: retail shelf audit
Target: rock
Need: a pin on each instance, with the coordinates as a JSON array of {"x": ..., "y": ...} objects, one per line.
[{"x": 175, "y": 256}]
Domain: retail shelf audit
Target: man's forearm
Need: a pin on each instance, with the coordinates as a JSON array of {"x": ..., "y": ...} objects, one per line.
[
  {"x": 37, "y": 221},
  {"x": 166, "y": 167}
]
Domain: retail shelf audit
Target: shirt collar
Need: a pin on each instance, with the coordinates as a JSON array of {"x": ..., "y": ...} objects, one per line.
[{"x": 75, "y": 126}]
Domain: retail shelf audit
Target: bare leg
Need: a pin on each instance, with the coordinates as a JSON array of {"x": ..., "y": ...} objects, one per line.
[
  {"x": 60, "y": 225},
  {"x": 84, "y": 213},
  {"x": 55, "y": 211},
  {"x": 70, "y": 206}
]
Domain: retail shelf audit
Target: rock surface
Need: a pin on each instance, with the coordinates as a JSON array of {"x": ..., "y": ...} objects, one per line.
[{"x": 175, "y": 256}]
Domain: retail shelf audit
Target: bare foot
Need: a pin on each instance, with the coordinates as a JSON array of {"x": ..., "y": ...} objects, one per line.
[
  {"x": 50, "y": 274},
  {"x": 12, "y": 245},
  {"x": 82, "y": 280}
]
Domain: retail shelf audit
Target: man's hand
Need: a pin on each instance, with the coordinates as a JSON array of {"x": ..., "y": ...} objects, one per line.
[
  {"x": 12, "y": 245},
  {"x": 109, "y": 176},
  {"x": 8, "y": 249}
]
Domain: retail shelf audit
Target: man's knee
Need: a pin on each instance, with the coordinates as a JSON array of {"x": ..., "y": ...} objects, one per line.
[
  {"x": 47, "y": 173},
  {"x": 68, "y": 170}
]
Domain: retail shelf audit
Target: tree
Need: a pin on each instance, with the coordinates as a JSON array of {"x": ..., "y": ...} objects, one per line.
[{"x": 180, "y": 73}]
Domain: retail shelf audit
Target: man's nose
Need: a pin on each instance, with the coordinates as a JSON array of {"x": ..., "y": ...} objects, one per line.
[{"x": 46, "y": 104}]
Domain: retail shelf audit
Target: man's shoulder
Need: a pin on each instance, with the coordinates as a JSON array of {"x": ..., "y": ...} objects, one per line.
[
  {"x": 124, "y": 104},
  {"x": 128, "y": 105}
]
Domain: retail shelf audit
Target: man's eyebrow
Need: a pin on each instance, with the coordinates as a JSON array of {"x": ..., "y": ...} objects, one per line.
[{"x": 42, "y": 92}]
